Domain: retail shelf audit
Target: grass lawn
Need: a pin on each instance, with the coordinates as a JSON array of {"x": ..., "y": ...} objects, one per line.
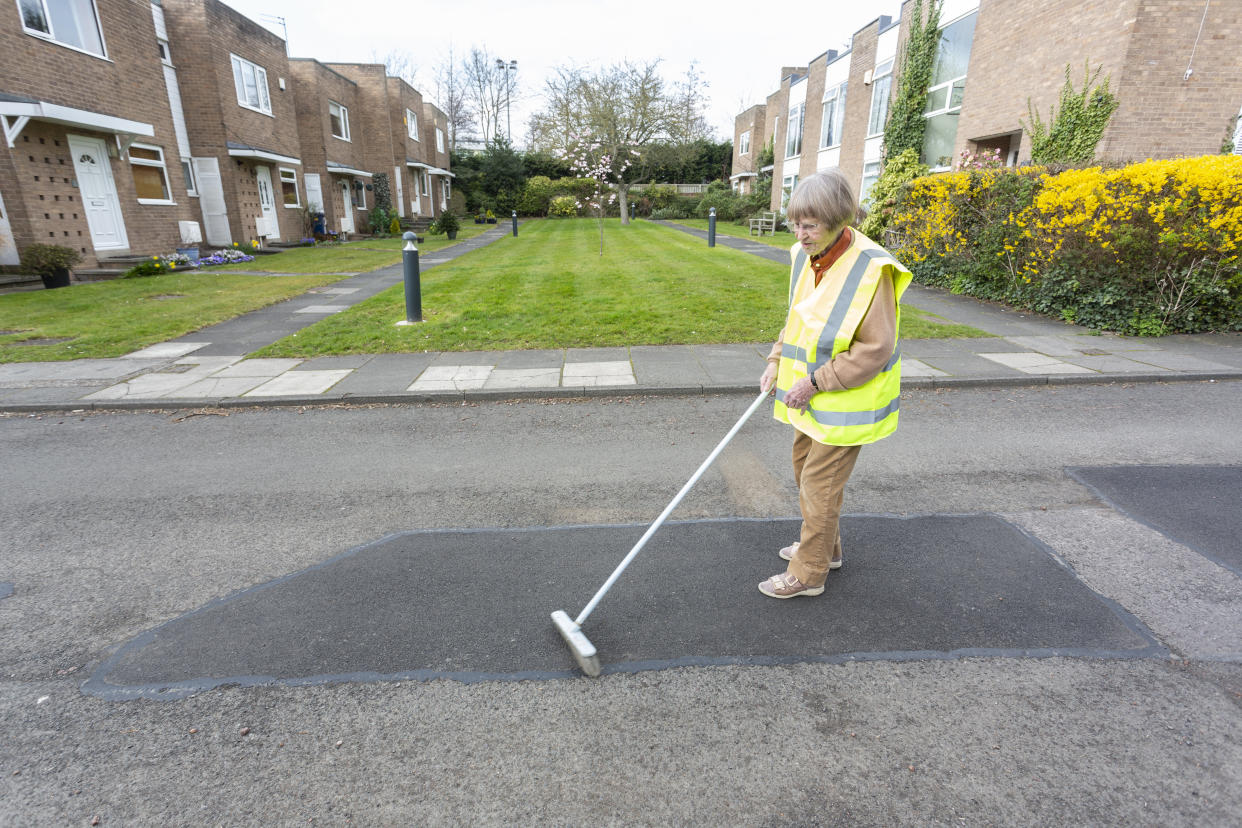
[
  {"x": 550, "y": 288},
  {"x": 783, "y": 238}
]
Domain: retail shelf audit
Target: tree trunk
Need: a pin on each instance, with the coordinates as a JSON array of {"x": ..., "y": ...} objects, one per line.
[{"x": 623, "y": 199}]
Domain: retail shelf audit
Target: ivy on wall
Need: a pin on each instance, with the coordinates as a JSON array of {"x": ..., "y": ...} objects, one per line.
[
  {"x": 1071, "y": 135},
  {"x": 906, "y": 125}
]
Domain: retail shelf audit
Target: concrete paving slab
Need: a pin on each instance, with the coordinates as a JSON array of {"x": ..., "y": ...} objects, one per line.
[
  {"x": 969, "y": 365},
  {"x": 922, "y": 587},
  {"x": 145, "y": 387},
  {"x": 48, "y": 395},
  {"x": 166, "y": 350},
  {"x": 529, "y": 359},
  {"x": 266, "y": 368},
  {"x": 452, "y": 378},
  {"x": 1179, "y": 362},
  {"x": 384, "y": 373},
  {"x": 1032, "y": 363},
  {"x": 1050, "y": 345},
  {"x": 322, "y": 309},
  {"x": 598, "y": 369},
  {"x": 666, "y": 366},
  {"x": 911, "y": 367},
  {"x": 24, "y": 373},
  {"x": 1194, "y": 505},
  {"x": 216, "y": 388},
  {"x": 336, "y": 291},
  {"x": 1111, "y": 364},
  {"x": 298, "y": 383},
  {"x": 333, "y": 363},
  {"x": 597, "y": 354},
  {"x": 523, "y": 378}
]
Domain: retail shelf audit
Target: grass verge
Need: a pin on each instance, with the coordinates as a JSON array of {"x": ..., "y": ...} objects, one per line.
[{"x": 783, "y": 238}]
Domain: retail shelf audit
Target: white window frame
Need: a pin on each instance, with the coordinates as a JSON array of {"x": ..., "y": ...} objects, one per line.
[
  {"x": 1237, "y": 135},
  {"x": 359, "y": 194},
  {"x": 411, "y": 125},
  {"x": 439, "y": 140},
  {"x": 165, "y": 54},
  {"x": 793, "y": 135},
  {"x": 243, "y": 68},
  {"x": 288, "y": 175},
  {"x": 743, "y": 143},
  {"x": 426, "y": 184},
  {"x": 159, "y": 164},
  {"x": 51, "y": 35},
  {"x": 871, "y": 172},
  {"x": 947, "y": 106},
  {"x": 342, "y": 116},
  {"x": 447, "y": 192},
  {"x": 881, "y": 91},
  {"x": 788, "y": 183},
  {"x": 835, "y": 125},
  {"x": 191, "y": 182}
]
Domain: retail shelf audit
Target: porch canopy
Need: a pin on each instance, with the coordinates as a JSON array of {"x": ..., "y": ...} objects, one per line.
[
  {"x": 344, "y": 169},
  {"x": 238, "y": 150},
  {"x": 17, "y": 111}
]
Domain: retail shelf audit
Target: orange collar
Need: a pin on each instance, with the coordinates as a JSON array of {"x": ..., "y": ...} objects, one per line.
[{"x": 828, "y": 258}]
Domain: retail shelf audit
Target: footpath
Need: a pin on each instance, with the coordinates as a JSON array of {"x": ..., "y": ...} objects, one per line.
[{"x": 208, "y": 368}]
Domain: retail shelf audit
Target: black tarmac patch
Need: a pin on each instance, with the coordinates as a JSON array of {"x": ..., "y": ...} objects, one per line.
[
  {"x": 1196, "y": 506},
  {"x": 475, "y": 605}
]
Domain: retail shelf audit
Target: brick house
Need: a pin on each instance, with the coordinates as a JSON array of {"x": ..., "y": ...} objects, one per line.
[
  {"x": 1172, "y": 65},
  {"x": 333, "y": 138},
  {"x": 749, "y": 140},
  {"x": 91, "y": 157},
  {"x": 240, "y": 114},
  {"x": 134, "y": 127}
]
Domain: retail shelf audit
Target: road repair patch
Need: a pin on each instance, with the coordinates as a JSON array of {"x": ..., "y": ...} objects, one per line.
[
  {"x": 1196, "y": 506},
  {"x": 475, "y": 605}
]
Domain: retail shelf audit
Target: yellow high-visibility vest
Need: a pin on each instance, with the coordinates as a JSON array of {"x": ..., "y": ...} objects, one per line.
[{"x": 821, "y": 323}]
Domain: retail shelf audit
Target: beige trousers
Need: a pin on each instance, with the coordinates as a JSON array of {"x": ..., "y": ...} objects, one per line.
[{"x": 821, "y": 472}]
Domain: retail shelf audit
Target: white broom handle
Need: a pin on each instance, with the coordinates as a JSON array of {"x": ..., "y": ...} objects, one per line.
[{"x": 582, "y": 616}]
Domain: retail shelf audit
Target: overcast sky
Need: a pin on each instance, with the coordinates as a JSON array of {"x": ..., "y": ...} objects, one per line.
[{"x": 737, "y": 44}]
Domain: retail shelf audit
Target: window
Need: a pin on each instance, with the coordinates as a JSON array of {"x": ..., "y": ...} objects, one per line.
[
  {"x": 1237, "y": 135},
  {"x": 251, "y": 83},
  {"x": 73, "y": 23},
  {"x": 439, "y": 140},
  {"x": 871, "y": 174},
  {"x": 743, "y": 143},
  {"x": 426, "y": 184},
  {"x": 448, "y": 192},
  {"x": 289, "y": 187},
  {"x": 411, "y": 125},
  {"x": 787, "y": 188},
  {"x": 150, "y": 176},
  {"x": 834, "y": 117},
  {"x": 793, "y": 134},
  {"x": 944, "y": 98},
  {"x": 187, "y": 172},
  {"x": 881, "y": 84},
  {"x": 165, "y": 55},
  {"x": 339, "y": 116},
  {"x": 360, "y": 194}
]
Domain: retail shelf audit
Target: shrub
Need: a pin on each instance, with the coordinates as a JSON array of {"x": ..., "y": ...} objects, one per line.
[
  {"x": 887, "y": 191},
  {"x": 1148, "y": 248},
  {"x": 563, "y": 206},
  {"x": 536, "y": 196},
  {"x": 1071, "y": 135},
  {"x": 47, "y": 258}
]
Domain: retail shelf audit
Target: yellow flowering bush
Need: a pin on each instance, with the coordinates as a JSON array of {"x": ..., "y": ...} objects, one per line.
[{"x": 1149, "y": 248}]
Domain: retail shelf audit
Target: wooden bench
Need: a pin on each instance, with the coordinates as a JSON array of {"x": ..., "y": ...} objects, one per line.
[{"x": 765, "y": 223}]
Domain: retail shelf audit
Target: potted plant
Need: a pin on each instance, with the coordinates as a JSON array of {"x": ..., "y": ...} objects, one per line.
[
  {"x": 491, "y": 217},
  {"x": 52, "y": 262},
  {"x": 447, "y": 223}
]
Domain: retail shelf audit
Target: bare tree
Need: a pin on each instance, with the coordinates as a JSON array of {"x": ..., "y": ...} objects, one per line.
[
  {"x": 488, "y": 85},
  {"x": 620, "y": 110},
  {"x": 452, "y": 98},
  {"x": 399, "y": 64},
  {"x": 688, "y": 103}
]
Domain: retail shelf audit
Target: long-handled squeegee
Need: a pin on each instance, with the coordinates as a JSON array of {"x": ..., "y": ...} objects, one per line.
[{"x": 571, "y": 630}]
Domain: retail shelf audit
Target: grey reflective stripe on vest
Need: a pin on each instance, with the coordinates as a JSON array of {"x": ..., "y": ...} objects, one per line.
[
  {"x": 799, "y": 354},
  {"x": 799, "y": 263},
  {"x": 844, "y": 299},
  {"x": 888, "y": 366},
  {"x": 849, "y": 418}
]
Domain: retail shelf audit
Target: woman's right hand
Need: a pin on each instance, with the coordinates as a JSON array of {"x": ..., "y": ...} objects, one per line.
[{"x": 767, "y": 382}]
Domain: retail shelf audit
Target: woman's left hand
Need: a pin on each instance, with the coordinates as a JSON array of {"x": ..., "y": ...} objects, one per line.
[{"x": 800, "y": 394}]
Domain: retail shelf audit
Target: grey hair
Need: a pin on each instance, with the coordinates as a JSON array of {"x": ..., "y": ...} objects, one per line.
[{"x": 826, "y": 197}]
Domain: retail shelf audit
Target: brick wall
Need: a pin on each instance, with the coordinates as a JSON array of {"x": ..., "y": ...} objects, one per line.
[
  {"x": 858, "y": 102},
  {"x": 38, "y": 179},
  {"x": 753, "y": 121}
]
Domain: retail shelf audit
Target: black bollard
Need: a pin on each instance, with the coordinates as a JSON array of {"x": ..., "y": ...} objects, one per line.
[
  {"x": 413, "y": 290},
  {"x": 711, "y": 228},
  {"x": 515, "y": 224}
]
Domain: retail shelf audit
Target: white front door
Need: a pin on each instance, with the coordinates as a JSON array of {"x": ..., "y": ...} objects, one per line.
[
  {"x": 396, "y": 177},
  {"x": 347, "y": 209},
  {"x": 8, "y": 247},
  {"x": 211, "y": 201},
  {"x": 416, "y": 203},
  {"x": 98, "y": 192},
  {"x": 271, "y": 226}
]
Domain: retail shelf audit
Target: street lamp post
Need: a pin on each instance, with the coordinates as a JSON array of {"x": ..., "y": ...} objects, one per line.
[{"x": 507, "y": 67}]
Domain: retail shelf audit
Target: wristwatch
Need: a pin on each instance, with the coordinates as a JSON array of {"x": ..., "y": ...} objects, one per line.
[{"x": 811, "y": 377}]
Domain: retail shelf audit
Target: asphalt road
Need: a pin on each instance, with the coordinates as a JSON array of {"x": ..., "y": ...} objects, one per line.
[{"x": 116, "y": 525}]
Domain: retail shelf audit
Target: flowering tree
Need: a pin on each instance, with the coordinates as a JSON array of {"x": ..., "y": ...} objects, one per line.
[{"x": 591, "y": 159}]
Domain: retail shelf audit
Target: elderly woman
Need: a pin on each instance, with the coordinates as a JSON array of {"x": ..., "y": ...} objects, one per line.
[{"x": 835, "y": 369}]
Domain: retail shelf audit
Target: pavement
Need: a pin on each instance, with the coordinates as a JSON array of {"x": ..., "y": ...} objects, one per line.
[{"x": 209, "y": 368}]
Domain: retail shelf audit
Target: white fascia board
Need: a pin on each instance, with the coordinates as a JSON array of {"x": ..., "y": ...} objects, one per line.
[
  {"x": 264, "y": 155},
  {"x": 335, "y": 170},
  {"x": 84, "y": 118},
  {"x": 438, "y": 171}
]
